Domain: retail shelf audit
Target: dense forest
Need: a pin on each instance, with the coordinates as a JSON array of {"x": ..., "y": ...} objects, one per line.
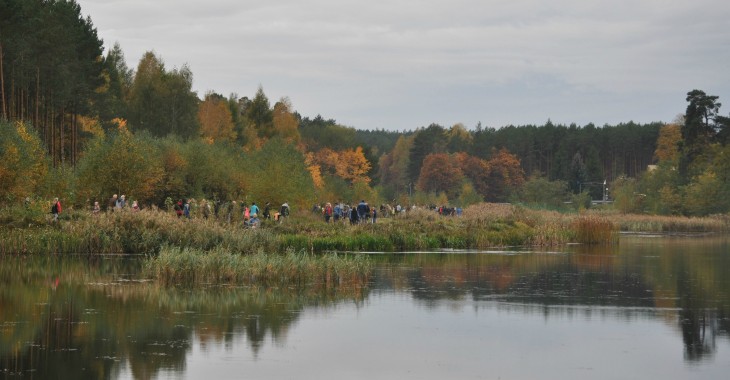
[{"x": 78, "y": 123}]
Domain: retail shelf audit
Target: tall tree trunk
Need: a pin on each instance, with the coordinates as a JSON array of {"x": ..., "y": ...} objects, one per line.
[
  {"x": 74, "y": 139},
  {"x": 52, "y": 136},
  {"x": 37, "y": 95},
  {"x": 62, "y": 156},
  {"x": 12, "y": 92},
  {"x": 45, "y": 121},
  {"x": 23, "y": 101},
  {"x": 2, "y": 84}
]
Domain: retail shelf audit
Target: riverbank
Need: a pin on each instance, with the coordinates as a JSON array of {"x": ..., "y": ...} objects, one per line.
[
  {"x": 146, "y": 232},
  {"x": 481, "y": 226},
  {"x": 181, "y": 250}
]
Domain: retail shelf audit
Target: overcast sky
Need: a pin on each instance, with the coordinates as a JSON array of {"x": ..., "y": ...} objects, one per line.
[{"x": 404, "y": 64}]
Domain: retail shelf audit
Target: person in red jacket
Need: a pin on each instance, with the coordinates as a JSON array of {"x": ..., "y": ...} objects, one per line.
[
  {"x": 327, "y": 212},
  {"x": 55, "y": 209}
]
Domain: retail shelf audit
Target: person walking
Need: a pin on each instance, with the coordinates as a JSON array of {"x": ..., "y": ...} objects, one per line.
[
  {"x": 55, "y": 209},
  {"x": 112, "y": 203},
  {"x": 362, "y": 210},
  {"x": 327, "y": 212},
  {"x": 121, "y": 202},
  {"x": 179, "y": 208},
  {"x": 337, "y": 211},
  {"x": 284, "y": 211},
  {"x": 354, "y": 216},
  {"x": 267, "y": 211}
]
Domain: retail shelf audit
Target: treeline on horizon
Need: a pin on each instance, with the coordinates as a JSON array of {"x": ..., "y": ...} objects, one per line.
[{"x": 81, "y": 125}]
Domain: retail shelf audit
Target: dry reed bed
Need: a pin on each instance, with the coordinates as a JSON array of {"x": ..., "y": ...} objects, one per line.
[
  {"x": 658, "y": 223},
  {"x": 174, "y": 266}
]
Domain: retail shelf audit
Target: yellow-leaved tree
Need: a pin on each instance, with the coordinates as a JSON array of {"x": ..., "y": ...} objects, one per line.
[
  {"x": 216, "y": 121},
  {"x": 23, "y": 162},
  {"x": 286, "y": 124},
  {"x": 667, "y": 145},
  {"x": 353, "y": 166},
  {"x": 314, "y": 169}
]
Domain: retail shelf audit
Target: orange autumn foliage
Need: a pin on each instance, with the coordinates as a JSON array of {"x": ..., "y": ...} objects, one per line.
[
  {"x": 349, "y": 164},
  {"x": 440, "y": 173}
]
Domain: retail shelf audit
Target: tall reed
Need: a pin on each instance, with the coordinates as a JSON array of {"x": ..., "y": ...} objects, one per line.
[
  {"x": 180, "y": 266},
  {"x": 595, "y": 229},
  {"x": 658, "y": 223}
]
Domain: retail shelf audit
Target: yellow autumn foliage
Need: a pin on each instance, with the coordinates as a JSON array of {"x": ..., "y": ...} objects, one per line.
[{"x": 23, "y": 165}]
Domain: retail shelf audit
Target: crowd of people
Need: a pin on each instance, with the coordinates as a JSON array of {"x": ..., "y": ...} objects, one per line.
[
  {"x": 230, "y": 212},
  {"x": 252, "y": 215},
  {"x": 362, "y": 212}
]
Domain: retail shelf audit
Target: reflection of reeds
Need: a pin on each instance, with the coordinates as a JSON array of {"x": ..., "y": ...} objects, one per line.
[{"x": 219, "y": 266}]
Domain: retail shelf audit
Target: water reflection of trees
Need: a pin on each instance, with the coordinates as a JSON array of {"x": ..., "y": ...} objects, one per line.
[
  {"x": 687, "y": 279},
  {"x": 82, "y": 318}
]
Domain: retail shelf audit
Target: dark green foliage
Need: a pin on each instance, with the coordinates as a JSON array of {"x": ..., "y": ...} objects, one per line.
[
  {"x": 52, "y": 67},
  {"x": 427, "y": 141},
  {"x": 698, "y": 130},
  {"x": 259, "y": 115},
  {"x": 319, "y": 133},
  {"x": 538, "y": 191},
  {"x": 699, "y": 117},
  {"x": 112, "y": 103},
  {"x": 606, "y": 152},
  {"x": 380, "y": 141},
  {"x": 163, "y": 102}
]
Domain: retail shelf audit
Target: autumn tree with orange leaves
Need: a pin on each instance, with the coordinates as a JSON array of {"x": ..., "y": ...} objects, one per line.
[
  {"x": 505, "y": 175},
  {"x": 476, "y": 170},
  {"x": 348, "y": 164},
  {"x": 452, "y": 174},
  {"x": 440, "y": 173}
]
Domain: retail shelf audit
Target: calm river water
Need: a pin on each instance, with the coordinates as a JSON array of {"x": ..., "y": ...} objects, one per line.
[{"x": 649, "y": 308}]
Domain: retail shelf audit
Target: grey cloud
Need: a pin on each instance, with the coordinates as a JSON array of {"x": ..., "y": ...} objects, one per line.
[{"x": 390, "y": 63}]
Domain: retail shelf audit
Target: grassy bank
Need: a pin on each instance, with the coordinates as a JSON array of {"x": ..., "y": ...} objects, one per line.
[
  {"x": 481, "y": 226},
  {"x": 293, "y": 252}
]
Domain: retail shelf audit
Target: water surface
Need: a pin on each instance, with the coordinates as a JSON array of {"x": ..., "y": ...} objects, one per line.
[{"x": 651, "y": 307}]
